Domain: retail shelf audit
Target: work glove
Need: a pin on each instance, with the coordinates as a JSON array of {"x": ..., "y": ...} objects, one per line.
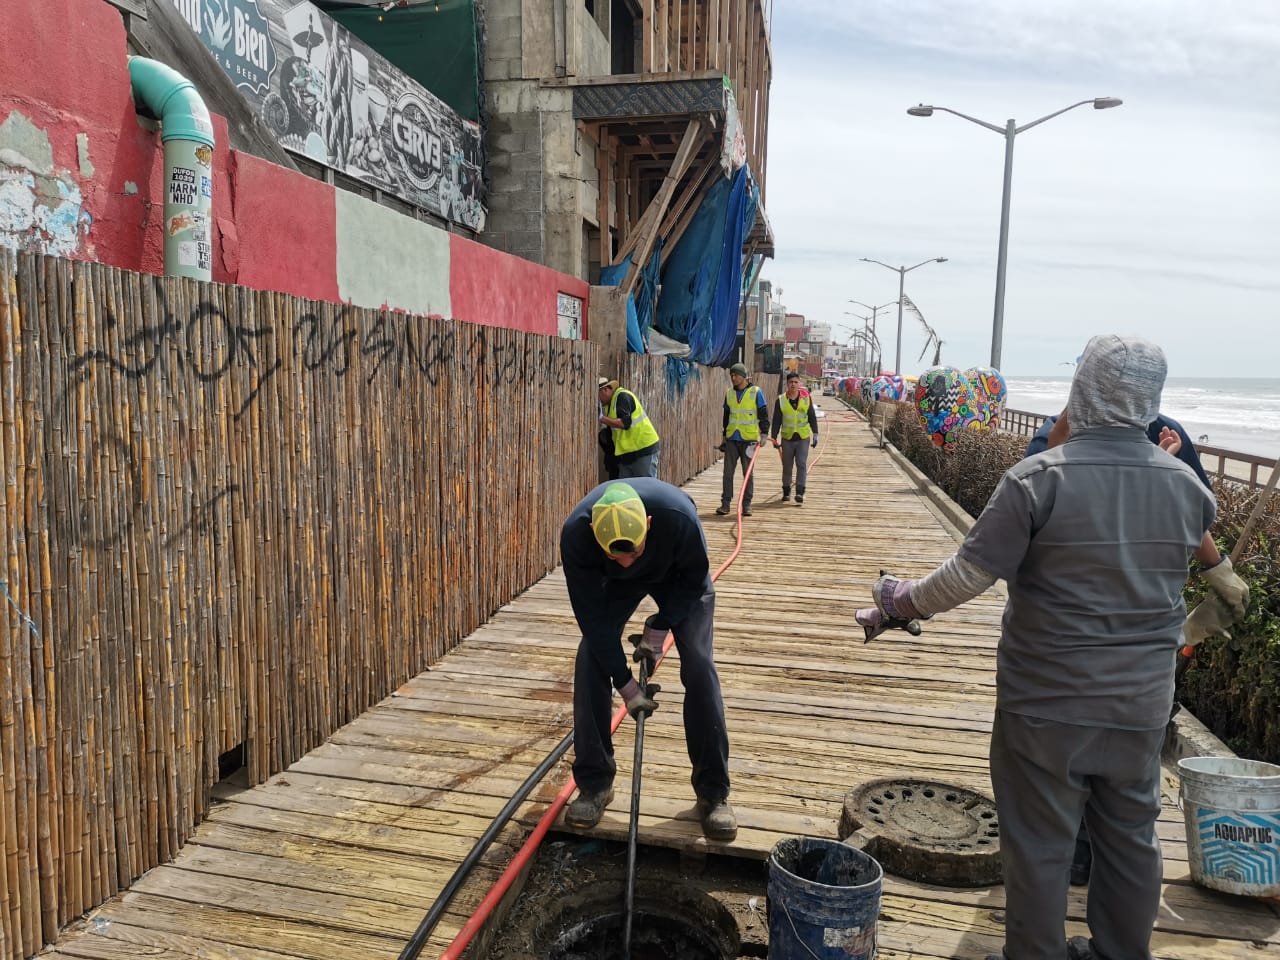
[
  {"x": 813, "y": 445},
  {"x": 1210, "y": 618},
  {"x": 648, "y": 645},
  {"x": 640, "y": 703},
  {"x": 893, "y": 598},
  {"x": 874, "y": 623},
  {"x": 1227, "y": 584}
]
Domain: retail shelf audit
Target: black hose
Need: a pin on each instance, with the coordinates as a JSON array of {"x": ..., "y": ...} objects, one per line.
[{"x": 419, "y": 939}]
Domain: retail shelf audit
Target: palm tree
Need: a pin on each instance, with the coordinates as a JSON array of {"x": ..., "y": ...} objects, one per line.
[{"x": 933, "y": 339}]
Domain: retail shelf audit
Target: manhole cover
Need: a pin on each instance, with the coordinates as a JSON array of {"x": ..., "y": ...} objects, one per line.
[{"x": 926, "y": 831}]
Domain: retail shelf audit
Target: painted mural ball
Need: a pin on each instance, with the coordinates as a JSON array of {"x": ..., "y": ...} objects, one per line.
[
  {"x": 887, "y": 386},
  {"x": 991, "y": 391},
  {"x": 946, "y": 402}
]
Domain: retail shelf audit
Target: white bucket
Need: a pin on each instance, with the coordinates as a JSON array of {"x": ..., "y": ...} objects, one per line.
[{"x": 1232, "y": 811}]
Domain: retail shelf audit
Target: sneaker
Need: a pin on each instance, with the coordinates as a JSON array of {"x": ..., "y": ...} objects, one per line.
[
  {"x": 746, "y": 511},
  {"x": 799, "y": 498},
  {"x": 722, "y": 510},
  {"x": 585, "y": 812},
  {"x": 1080, "y": 948},
  {"x": 785, "y": 496},
  {"x": 718, "y": 820}
]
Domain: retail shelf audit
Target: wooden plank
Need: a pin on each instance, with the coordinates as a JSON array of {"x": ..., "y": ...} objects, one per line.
[
  {"x": 604, "y": 184},
  {"x": 649, "y": 234}
]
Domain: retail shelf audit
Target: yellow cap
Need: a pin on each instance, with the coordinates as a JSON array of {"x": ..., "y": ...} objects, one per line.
[{"x": 619, "y": 515}]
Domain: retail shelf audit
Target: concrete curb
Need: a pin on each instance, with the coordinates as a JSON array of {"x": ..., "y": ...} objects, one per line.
[{"x": 1187, "y": 736}]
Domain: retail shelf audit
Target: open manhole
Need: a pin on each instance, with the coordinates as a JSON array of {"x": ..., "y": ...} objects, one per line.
[
  {"x": 571, "y": 907},
  {"x": 926, "y": 831}
]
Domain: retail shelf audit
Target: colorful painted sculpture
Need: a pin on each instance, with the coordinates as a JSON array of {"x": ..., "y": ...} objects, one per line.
[
  {"x": 945, "y": 400},
  {"x": 887, "y": 386},
  {"x": 990, "y": 391}
]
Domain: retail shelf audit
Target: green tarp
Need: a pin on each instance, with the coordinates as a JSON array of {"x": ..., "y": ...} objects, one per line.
[{"x": 434, "y": 43}]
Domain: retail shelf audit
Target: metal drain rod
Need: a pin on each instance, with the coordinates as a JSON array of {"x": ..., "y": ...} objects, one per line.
[{"x": 628, "y": 898}]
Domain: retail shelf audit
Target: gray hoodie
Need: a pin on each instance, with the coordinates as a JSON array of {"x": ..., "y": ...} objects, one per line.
[{"x": 1094, "y": 538}]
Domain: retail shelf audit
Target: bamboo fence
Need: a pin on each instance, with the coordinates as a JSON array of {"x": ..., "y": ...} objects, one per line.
[{"x": 235, "y": 519}]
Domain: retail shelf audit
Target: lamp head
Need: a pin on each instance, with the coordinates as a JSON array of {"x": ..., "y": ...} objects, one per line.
[
  {"x": 1106, "y": 103},
  {"x": 939, "y": 259},
  {"x": 920, "y": 110}
]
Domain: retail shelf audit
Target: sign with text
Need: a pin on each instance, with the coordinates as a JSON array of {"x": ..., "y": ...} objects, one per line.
[{"x": 328, "y": 96}]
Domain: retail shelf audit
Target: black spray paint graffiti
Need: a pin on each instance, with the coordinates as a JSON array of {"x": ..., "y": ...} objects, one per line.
[{"x": 209, "y": 345}]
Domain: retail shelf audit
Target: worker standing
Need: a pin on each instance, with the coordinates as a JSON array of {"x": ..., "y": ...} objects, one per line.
[
  {"x": 635, "y": 439},
  {"x": 624, "y": 541},
  {"x": 746, "y": 423},
  {"x": 795, "y": 419},
  {"x": 1093, "y": 538}
]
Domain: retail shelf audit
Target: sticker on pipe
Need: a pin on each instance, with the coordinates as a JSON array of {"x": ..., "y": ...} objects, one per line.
[{"x": 182, "y": 187}]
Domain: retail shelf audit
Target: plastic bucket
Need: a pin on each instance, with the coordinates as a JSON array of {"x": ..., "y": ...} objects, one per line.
[
  {"x": 1232, "y": 810},
  {"x": 824, "y": 898}
]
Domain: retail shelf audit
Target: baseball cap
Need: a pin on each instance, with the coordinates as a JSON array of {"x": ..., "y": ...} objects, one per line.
[
  {"x": 739, "y": 368},
  {"x": 619, "y": 515}
]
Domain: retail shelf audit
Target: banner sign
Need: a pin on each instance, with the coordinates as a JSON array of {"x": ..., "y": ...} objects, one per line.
[{"x": 328, "y": 96}]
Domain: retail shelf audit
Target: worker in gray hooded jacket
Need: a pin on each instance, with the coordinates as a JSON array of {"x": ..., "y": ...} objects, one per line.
[{"x": 1093, "y": 538}]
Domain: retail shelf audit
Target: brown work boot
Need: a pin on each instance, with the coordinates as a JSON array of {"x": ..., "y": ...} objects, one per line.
[
  {"x": 718, "y": 820},
  {"x": 585, "y": 812}
]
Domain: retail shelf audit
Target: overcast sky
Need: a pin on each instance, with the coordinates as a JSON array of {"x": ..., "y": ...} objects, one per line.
[{"x": 1160, "y": 217}]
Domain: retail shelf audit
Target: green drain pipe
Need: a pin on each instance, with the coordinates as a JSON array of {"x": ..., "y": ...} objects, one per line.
[{"x": 187, "y": 134}]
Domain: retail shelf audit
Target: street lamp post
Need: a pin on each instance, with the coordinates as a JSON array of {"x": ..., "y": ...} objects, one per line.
[
  {"x": 902, "y": 279},
  {"x": 875, "y": 311},
  {"x": 1009, "y": 131}
]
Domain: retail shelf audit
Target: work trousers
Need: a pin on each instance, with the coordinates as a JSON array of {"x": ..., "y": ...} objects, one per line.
[
  {"x": 735, "y": 452},
  {"x": 704, "y": 728},
  {"x": 642, "y": 466},
  {"x": 1046, "y": 774},
  {"x": 795, "y": 451}
]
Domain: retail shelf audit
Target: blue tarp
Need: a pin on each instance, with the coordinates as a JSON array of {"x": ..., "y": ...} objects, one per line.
[
  {"x": 702, "y": 280},
  {"x": 639, "y": 303}
]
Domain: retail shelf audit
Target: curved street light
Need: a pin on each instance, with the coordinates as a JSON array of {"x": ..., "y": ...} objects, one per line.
[
  {"x": 872, "y": 343},
  {"x": 902, "y": 274},
  {"x": 874, "y": 310},
  {"x": 1009, "y": 131}
]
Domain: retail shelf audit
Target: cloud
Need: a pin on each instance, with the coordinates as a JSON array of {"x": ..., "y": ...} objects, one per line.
[{"x": 1160, "y": 213}]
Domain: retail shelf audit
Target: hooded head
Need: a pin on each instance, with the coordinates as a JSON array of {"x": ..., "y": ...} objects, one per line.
[{"x": 1117, "y": 383}]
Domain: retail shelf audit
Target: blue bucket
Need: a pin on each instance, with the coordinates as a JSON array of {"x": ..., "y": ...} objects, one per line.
[{"x": 824, "y": 898}]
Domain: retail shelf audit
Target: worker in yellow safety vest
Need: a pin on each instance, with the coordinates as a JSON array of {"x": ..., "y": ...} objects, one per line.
[
  {"x": 794, "y": 418},
  {"x": 746, "y": 423},
  {"x": 635, "y": 440}
]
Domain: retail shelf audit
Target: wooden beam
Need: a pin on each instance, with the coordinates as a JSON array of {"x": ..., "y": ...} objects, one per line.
[
  {"x": 692, "y": 139},
  {"x": 692, "y": 188},
  {"x": 646, "y": 38},
  {"x": 604, "y": 178},
  {"x": 712, "y": 39}
]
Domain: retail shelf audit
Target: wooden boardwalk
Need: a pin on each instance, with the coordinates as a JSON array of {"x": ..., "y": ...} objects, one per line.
[{"x": 340, "y": 856}]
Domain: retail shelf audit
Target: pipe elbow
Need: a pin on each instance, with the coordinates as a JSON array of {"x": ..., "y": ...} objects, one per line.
[{"x": 173, "y": 98}]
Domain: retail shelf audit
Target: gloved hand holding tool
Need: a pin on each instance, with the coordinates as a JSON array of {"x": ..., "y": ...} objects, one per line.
[
  {"x": 648, "y": 645},
  {"x": 893, "y": 609}
]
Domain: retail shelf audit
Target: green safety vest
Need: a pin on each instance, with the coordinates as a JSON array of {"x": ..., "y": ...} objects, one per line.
[
  {"x": 742, "y": 413},
  {"x": 795, "y": 423},
  {"x": 642, "y": 433}
]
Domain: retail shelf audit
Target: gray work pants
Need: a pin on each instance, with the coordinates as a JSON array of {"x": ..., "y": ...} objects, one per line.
[
  {"x": 735, "y": 452},
  {"x": 795, "y": 451},
  {"x": 645, "y": 466},
  {"x": 1046, "y": 774},
  {"x": 705, "y": 734}
]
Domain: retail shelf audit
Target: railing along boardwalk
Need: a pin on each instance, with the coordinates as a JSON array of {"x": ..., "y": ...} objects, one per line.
[
  {"x": 1249, "y": 469},
  {"x": 338, "y": 857}
]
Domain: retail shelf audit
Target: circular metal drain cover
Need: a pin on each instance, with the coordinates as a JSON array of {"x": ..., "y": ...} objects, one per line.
[{"x": 926, "y": 831}]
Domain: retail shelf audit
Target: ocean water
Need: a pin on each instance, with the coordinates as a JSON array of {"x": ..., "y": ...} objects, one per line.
[{"x": 1235, "y": 414}]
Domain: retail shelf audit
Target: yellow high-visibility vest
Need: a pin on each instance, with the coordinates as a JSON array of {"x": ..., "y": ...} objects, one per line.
[
  {"x": 642, "y": 432},
  {"x": 795, "y": 422},
  {"x": 742, "y": 413}
]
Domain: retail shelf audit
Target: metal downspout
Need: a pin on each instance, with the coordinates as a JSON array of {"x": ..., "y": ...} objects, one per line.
[{"x": 187, "y": 134}]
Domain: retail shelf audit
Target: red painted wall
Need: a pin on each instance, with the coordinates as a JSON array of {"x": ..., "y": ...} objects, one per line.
[
  {"x": 63, "y": 65},
  {"x": 495, "y": 288}
]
